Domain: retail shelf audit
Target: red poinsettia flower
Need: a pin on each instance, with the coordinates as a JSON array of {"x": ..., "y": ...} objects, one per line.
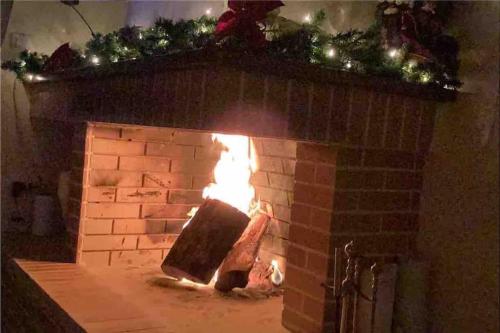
[
  {"x": 242, "y": 17},
  {"x": 62, "y": 58}
]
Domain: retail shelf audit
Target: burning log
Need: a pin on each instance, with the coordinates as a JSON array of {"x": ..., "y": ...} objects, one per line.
[
  {"x": 205, "y": 241},
  {"x": 236, "y": 268}
]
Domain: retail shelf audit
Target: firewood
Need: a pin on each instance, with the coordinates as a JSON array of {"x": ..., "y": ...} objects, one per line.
[
  {"x": 234, "y": 271},
  {"x": 205, "y": 241}
]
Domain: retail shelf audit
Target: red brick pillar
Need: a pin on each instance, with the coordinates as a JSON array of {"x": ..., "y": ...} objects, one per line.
[{"x": 307, "y": 307}]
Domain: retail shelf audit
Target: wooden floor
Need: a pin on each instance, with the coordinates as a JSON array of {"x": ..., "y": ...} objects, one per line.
[{"x": 142, "y": 300}]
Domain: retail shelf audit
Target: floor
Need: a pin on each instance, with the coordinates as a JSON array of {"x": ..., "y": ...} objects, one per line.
[
  {"x": 144, "y": 300},
  {"x": 19, "y": 314}
]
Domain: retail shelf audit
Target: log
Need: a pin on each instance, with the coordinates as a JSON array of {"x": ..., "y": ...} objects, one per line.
[
  {"x": 205, "y": 241},
  {"x": 234, "y": 271}
]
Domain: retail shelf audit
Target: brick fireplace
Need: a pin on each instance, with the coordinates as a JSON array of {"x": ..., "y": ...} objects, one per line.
[{"x": 340, "y": 159}]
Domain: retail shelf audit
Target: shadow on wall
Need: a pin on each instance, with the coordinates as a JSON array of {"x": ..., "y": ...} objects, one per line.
[
  {"x": 460, "y": 211},
  {"x": 40, "y": 26}
]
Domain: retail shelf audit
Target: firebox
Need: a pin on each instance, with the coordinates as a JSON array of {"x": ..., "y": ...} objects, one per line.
[{"x": 141, "y": 186}]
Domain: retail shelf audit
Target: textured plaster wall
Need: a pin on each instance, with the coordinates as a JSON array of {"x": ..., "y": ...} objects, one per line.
[
  {"x": 460, "y": 203},
  {"x": 341, "y": 15},
  {"x": 46, "y": 25}
]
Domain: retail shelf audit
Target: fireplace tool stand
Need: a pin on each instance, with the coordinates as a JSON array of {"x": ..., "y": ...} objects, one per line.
[{"x": 348, "y": 292}]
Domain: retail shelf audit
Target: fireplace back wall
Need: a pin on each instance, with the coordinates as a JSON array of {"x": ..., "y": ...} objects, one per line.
[{"x": 137, "y": 184}]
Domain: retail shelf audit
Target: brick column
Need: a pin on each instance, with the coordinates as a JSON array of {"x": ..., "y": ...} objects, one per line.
[{"x": 307, "y": 307}]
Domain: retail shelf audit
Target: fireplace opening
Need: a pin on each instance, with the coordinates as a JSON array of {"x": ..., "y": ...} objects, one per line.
[{"x": 209, "y": 208}]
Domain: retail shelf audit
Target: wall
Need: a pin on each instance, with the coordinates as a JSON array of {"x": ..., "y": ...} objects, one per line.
[
  {"x": 46, "y": 24},
  {"x": 340, "y": 15},
  {"x": 460, "y": 203}
]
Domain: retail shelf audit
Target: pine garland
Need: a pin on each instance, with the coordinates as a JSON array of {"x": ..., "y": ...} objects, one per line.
[{"x": 355, "y": 50}]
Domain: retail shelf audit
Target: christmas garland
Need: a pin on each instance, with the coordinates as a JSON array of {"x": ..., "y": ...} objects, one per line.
[{"x": 405, "y": 42}]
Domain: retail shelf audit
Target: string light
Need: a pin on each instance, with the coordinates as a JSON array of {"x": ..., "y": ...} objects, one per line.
[
  {"x": 393, "y": 53},
  {"x": 307, "y": 18},
  {"x": 348, "y": 65},
  {"x": 29, "y": 76},
  {"x": 330, "y": 53},
  {"x": 95, "y": 60},
  {"x": 203, "y": 29},
  {"x": 39, "y": 78},
  {"x": 208, "y": 11},
  {"x": 425, "y": 77}
]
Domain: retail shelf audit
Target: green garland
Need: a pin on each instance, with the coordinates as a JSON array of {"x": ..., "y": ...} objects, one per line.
[{"x": 355, "y": 50}]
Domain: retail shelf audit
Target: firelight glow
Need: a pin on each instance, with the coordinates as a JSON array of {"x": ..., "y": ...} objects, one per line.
[
  {"x": 276, "y": 276},
  {"x": 232, "y": 173}
]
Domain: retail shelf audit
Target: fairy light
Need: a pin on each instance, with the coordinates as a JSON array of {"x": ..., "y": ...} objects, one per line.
[
  {"x": 330, "y": 53},
  {"x": 307, "y": 18},
  {"x": 348, "y": 65},
  {"x": 393, "y": 53},
  {"x": 203, "y": 29},
  {"x": 29, "y": 77},
  {"x": 208, "y": 11},
  {"x": 425, "y": 77},
  {"x": 39, "y": 78},
  {"x": 95, "y": 60}
]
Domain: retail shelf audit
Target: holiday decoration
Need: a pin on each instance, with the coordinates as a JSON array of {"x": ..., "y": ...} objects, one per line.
[
  {"x": 62, "y": 58},
  {"x": 241, "y": 20},
  {"x": 406, "y": 41},
  {"x": 418, "y": 28}
]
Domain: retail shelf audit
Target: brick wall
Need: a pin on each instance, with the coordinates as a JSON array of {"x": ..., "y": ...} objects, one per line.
[
  {"x": 132, "y": 187},
  {"x": 273, "y": 184},
  {"x": 366, "y": 189},
  {"x": 138, "y": 185}
]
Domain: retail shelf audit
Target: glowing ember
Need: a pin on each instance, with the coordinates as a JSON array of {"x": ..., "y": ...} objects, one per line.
[
  {"x": 191, "y": 213},
  {"x": 232, "y": 173}
]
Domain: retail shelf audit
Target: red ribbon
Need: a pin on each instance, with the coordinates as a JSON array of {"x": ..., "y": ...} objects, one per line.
[{"x": 241, "y": 20}]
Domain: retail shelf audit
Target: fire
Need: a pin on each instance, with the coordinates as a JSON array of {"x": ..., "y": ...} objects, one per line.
[
  {"x": 232, "y": 173},
  {"x": 276, "y": 276}
]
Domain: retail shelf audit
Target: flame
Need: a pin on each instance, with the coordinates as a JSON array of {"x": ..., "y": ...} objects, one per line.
[
  {"x": 232, "y": 180},
  {"x": 276, "y": 276},
  {"x": 232, "y": 173}
]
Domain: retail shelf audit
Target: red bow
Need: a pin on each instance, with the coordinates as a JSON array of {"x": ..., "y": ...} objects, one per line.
[{"x": 241, "y": 20}]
